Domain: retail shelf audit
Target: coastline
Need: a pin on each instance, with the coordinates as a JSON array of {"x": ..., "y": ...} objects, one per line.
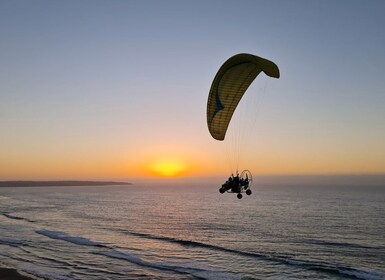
[
  {"x": 66, "y": 183},
  {"x": 12, "y": 274}
]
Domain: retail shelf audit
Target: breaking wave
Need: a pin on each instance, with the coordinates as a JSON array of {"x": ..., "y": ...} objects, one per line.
[
  {"x": 206, "y": 273},
  {"x": 180, "y": 268},
  {"x": 314, "y": 266},
  {"x": 72, "y": 239}
]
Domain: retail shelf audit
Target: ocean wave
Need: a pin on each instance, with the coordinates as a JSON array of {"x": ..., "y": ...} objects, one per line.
[
  {"x": 361, "y": 274},
  {"x": 337, "y": 244},
  {"x": 186, "y": 268},
  {"x": 190, "y": 243},
  {"x": 42, "y": 272},
  {"x": 68, "y": 238},
  {"x": 12, "y": 242},
  {"x": 313, "y": 266},
  {"x": 338, "y": 270},
  {"x": 40, "y": 256},
  {"x": 197, "y": 272},
  {"x": 13, "y": 217},
  {"x": 203, "y": 273}
]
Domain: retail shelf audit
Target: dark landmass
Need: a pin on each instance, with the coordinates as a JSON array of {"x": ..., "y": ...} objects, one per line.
[
  {"x": 59, "y": 183},
  {"x": 12, "y": 274}
]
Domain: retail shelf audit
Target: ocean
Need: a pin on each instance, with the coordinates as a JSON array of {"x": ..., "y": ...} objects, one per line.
[{"x": 144, "y": 232}]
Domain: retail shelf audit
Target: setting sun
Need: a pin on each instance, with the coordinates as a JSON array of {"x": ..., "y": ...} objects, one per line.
[{"x": 167, "y": 167}]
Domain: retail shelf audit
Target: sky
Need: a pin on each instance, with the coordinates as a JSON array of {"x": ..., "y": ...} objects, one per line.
[{"x": 118, "y": 89}]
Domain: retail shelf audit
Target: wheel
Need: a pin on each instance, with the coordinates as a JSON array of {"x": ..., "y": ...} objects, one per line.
[
  {"x": 248, "y": 192},
  {"x": 239, "y": 196}
]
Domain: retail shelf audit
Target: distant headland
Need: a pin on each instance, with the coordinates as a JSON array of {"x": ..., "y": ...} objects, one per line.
[{"x": 59, "y": 183}]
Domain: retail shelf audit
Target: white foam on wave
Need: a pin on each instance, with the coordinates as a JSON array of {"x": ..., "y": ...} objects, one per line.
[
  {"x": 362, "y": 274},
  {"x": 43, "y": 273},
  {"x": 133, "y": 258},
  {"x": 65, "y": 237},
  {"x": 35, "y": 271},
  {"x": 357, "y": 273}
]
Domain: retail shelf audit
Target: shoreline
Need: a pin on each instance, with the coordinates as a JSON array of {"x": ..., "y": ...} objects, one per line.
[
  {"x": 62, "y": 183},
  {"x": 12, "y": 274}
]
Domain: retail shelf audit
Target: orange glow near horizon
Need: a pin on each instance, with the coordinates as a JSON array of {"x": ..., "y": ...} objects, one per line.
[
  {"x": 179, "y": 160},
  {"x": 167, "y": 167}
]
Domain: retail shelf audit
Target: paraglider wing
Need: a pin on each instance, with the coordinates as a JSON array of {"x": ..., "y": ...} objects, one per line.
[{"x": 228, "y": 87}]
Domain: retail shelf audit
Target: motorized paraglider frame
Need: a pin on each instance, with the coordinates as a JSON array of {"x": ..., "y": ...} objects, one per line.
[{"x": 240, "y": 185}]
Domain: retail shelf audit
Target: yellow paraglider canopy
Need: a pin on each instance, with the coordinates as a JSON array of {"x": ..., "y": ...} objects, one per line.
[{"x": 228, "y": 87}]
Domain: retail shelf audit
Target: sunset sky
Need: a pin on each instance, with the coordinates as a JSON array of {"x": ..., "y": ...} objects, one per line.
[{"x": 118, "y": 89}]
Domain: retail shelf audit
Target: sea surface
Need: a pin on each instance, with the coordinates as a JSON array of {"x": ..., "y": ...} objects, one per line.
[{"x": 144, "y": 232}]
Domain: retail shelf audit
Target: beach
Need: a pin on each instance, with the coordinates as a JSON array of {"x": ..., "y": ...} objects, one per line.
[{"x": 12, "y": 274}]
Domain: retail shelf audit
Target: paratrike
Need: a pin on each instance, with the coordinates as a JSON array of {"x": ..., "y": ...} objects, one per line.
[
  {"x": 227, "y": 89},
  {"x": 238, "y": 184}
]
